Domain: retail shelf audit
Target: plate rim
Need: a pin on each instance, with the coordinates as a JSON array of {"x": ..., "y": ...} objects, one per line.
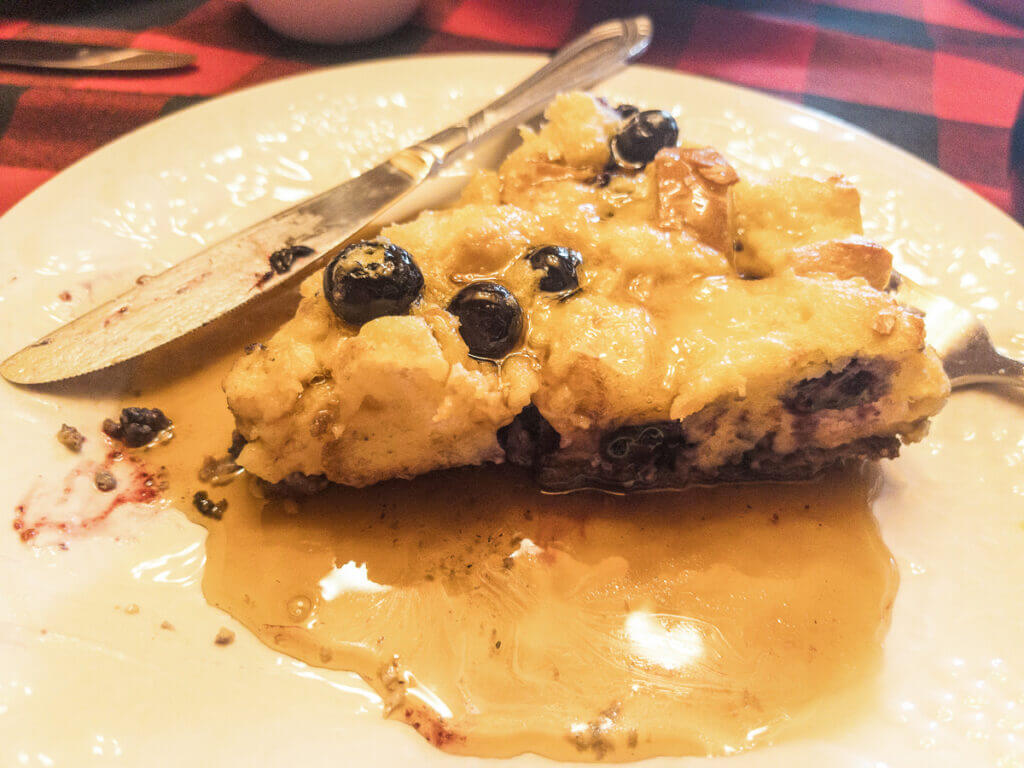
[
  {"x": 748, "y": 91},
  {"x": 921, "y": 171}
]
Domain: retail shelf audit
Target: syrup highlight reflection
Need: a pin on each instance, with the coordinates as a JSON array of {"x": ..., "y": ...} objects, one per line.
[{"x": 496, "y": 620}]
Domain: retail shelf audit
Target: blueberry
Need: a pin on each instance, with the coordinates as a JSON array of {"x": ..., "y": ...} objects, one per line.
[
  {"x": 626, "y": 111},
  {"x": 238, "y": 442},
  {"x": 490, "y": 319},
  {"x": 639, "y": 445},
  {"x": 206, "y": 506},
  {"x": 642, "y": 136},
  {"x": 371, "y": 279},
  {"x": 528, "y": 438},
  {"x": 861, "y": 381},
  {"x": 282, "y": 259},
  {"x": 137, "y": 426},
  {"x": 558, "y": 265}
]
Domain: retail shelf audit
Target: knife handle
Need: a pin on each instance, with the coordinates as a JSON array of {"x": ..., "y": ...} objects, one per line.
[{"x": 588, "y": 59}]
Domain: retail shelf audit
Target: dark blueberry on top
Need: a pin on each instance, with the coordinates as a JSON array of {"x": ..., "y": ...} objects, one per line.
[
  {"x": 626, "y": 111},
  {"x": 371, "y": 279},
  {"x": 558, "y": 265},
  {"x": 642, "y": 136},
  {"x": 490, "y": 319}
]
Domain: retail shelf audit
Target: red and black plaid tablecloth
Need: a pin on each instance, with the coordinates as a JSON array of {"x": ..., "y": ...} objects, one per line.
[{"x": 942, "y": 78}]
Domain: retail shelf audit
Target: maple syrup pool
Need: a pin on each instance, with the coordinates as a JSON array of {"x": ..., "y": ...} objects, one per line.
[{"x": 497, "y": 620}]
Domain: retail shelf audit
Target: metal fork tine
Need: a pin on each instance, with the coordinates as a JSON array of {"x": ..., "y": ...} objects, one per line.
[{"x": 959, "y": 338}]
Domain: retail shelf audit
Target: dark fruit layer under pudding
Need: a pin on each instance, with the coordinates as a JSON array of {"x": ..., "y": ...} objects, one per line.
[{"x": 608, "y": 309}]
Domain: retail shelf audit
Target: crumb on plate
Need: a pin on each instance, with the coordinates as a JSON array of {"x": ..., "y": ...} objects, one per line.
[
  {"x": 224, "y": 637},
  {"x": 70, "y": 438}
]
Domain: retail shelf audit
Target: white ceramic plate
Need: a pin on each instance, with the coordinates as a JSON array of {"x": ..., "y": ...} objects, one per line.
[{"x": 102, "y": 685}]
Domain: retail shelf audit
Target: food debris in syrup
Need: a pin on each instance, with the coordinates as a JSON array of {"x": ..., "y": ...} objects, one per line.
[{"x": 70, "y": 438}]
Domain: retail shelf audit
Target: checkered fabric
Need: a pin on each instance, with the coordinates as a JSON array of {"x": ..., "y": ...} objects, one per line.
[{"x": 941, "y": 78}]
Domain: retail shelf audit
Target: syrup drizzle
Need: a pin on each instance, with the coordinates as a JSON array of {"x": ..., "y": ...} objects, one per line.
[{"x": 496, "y": 620}]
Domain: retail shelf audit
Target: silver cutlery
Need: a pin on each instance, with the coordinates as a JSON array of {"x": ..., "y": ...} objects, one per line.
[
  {"x": 43, "y": 54},
  {"x": 959, "y": 338},
  {"x": 233, "y": 272}
]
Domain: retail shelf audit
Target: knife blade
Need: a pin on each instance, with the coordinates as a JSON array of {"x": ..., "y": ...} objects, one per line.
[
  {"x": 43, "y": 54},
  {"x": 235, "y": 271}
]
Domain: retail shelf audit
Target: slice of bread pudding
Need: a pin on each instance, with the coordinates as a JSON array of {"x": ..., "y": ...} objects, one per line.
[{"x": 610, "y": 309}]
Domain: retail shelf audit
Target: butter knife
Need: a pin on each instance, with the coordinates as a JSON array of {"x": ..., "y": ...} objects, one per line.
[
  {"x": 43, "y": 54},
  {"x": 235, "y": 271}
]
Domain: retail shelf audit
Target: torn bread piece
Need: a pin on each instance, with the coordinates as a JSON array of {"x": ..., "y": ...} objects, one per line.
[
  {"x": 777, "y": 215},
  {"x": 648, "y": 321}
]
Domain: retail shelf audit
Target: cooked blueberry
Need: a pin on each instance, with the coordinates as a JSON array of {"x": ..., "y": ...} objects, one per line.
[
  {"x": 642, "y": 136},
  {"x": 641, "y": 445},
  {"x": 490, "y": 319},
  {"x": 618, "y": 448},
  {"x": 137, "y": 426},
  {"x": 295, "y": 485},
  {"x": 282, "y": 259},
  {"x": 206, "y": 506},
  {"x": 626, "y": 110},
  {"x": 238, "y": 442},
  {"x": 528, "y": 438},
  {"x": 859, "y": 382},
  {"x": 651, "y": 437},
  {"x": 371, "y": 279},
  {"x": 558, "y": 265}
]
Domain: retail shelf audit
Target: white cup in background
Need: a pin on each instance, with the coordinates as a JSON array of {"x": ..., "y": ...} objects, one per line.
[{"x": 333, "y": 21}]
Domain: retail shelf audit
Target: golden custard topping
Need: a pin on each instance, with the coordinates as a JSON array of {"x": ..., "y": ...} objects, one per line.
[{"x": 632, "y": 325}]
